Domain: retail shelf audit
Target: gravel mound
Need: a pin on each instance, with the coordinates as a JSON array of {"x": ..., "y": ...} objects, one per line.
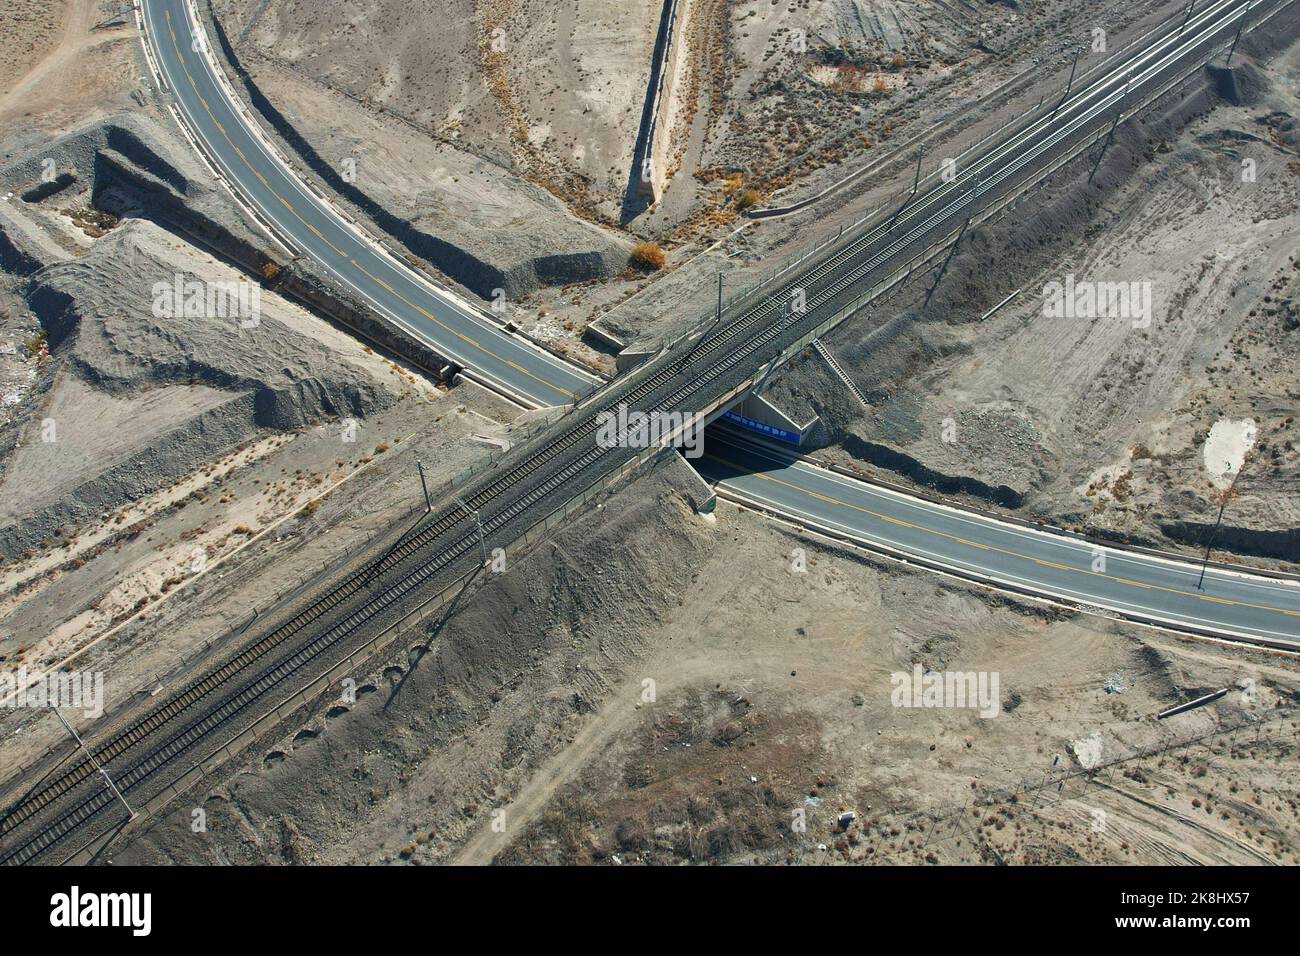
[{"x": 224, "y": 382}]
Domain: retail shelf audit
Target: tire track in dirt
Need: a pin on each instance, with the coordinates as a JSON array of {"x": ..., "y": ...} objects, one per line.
[{"x": 43, "y": 85}]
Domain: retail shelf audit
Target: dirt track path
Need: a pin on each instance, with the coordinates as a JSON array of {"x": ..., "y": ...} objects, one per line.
[
  {"x": 673, "y": 666},
  {"x": 608, "y": 722},
  {"x": 58, "y": 72}
]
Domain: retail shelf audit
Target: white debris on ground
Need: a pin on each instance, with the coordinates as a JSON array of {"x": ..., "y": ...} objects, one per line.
[
  {"x": 1226, "y": 448},
  {"x": 20, "y": 357},
  {"x": 1087, "y": 750}
]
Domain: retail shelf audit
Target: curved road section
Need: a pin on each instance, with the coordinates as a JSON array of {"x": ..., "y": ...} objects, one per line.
[
  {"x": 311, "y": 227},
  {"x": 1142, "y": 587}
]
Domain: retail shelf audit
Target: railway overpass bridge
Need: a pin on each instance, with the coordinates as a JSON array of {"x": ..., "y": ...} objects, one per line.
[{"x": 167, "y": 747}]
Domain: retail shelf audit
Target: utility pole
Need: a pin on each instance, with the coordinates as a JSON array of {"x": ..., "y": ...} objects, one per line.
[
  {"x": 428, "y": 505},
  {"x": 944, "y": 268},
  {"x": 1231, "y": 50},
  {"x": 95, "y": 763},
  {"x": 1069, "y": 84},
  {"x": 482, "y": 544},
  {"x": 787, "y": 319},
  {"x": 763, "y": 379},
  {"x": 1228, "y": 494},
  {"x": 1190, "y": 7},
  {"x": 716, "y": 322},
  {"x": 916, "y": 184},
  {"x": 1119, "y": 112}
]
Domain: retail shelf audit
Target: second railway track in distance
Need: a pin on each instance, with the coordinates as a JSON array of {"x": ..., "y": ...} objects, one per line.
[{"x": 564, "y": 461}]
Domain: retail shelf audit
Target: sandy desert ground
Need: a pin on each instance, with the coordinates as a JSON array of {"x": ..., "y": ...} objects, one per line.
[
  {"x": 689, "y": 699},
  {"x": 595, "y": 705},
  {"x": 1103, "y": 425}
]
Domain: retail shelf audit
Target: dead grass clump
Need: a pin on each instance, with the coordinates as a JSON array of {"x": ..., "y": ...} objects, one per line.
[{"x": 649, "y": 256}]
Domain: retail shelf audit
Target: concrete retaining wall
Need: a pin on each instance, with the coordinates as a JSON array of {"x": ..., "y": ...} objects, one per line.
[
  {"x": 304, "y": 281},
  {"x": 650, "y": 160}
]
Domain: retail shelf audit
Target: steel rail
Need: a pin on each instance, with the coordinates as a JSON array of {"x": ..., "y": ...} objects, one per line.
[{"x": 827, "y": 280}]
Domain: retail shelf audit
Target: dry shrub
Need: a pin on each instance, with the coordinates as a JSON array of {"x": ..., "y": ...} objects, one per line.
[{"x": 649, "y": 256}]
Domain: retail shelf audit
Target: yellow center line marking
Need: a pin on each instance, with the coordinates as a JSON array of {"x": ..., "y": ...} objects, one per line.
[
  {"x": 460, "y": 335},
  {"x": 240, "y": 153},
  {"x": 1013, "y": 554},
  {"x": 424, "y": 312},
  {"x": 1134, "y": 584}
]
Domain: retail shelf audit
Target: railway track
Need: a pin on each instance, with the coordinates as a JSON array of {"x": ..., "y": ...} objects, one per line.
[{"x": 566, "y": 459}]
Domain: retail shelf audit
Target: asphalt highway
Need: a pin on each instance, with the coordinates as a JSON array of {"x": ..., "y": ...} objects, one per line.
[
  {"x": 157, "y": 744},
  {"x": 1146, "y": 587},
  {"x": 1154, "y": 589},
  {"x": 313, "y": 229}
]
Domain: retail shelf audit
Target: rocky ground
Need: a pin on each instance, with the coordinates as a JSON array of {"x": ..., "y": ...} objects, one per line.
[
  {"x": 693, "y": 700},
  {"x": 164, "y": 470},
  {"x": 550, "y": 91},
  {"x": 157, "y": 586},
  {"x": 686, "y": 698},
  {"x": 62, "y": 63},
  {"x": 857, "y": 157},
  {"x": 777, "y": 102},
  {"x": 453, "y": 209},
  {"x": 1102, "y": 424}
]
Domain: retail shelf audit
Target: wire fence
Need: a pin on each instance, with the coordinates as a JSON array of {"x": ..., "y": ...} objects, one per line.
[
  {"x": 410, "y": 625},
  {"x": 1057, "y": 787},
  {"x": 1047, "y": 107}
]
